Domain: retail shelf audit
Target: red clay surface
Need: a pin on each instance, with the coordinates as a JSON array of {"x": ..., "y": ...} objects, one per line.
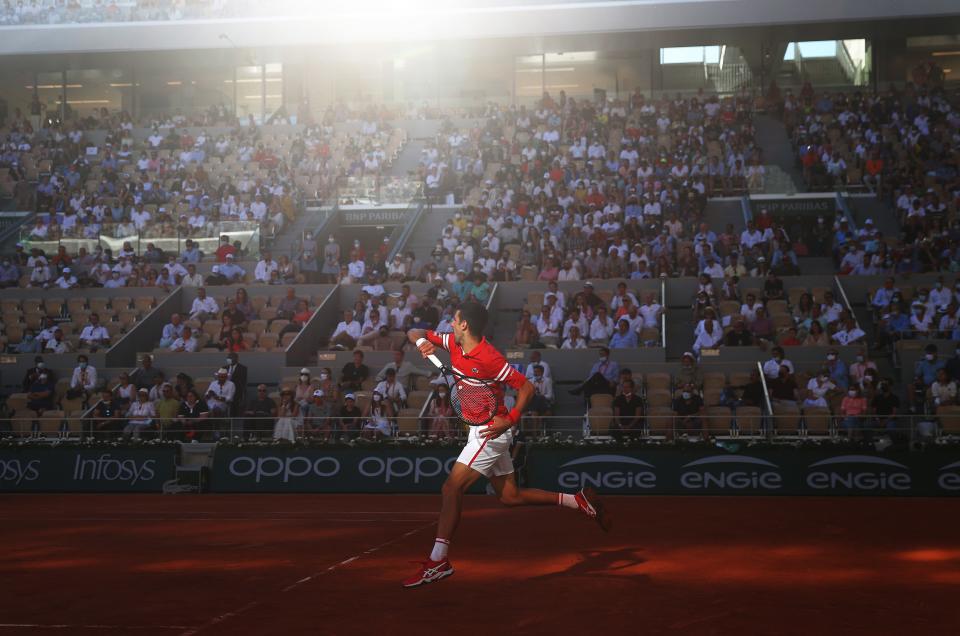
[{"x": 319, "y": 564}]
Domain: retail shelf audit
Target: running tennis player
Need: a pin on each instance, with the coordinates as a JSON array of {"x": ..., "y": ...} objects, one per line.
[{"x": 487, "y": 453}]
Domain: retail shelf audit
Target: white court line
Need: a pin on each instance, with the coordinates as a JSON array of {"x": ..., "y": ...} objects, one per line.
[
  {"x": 222, "y": 617},
  {"x": 166, "y": 518},
  {"x": 115, "y": 627}
]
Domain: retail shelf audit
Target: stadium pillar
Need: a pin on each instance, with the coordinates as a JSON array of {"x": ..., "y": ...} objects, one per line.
[{"x": 263, "y": 93}]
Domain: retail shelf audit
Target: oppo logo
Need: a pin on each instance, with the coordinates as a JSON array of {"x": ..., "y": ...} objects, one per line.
[
  {"x": 391, "y": 469},
  {"x": 627, "y": 472},
  {"x": 286, "y": 468},
  {"x": 862, "y": 473},
  {"x": 731, "y": 472},
  {"x": 950, "y": 480},
  {"x": 108, "y": 468},
  {"x": 15, "y": 471}
]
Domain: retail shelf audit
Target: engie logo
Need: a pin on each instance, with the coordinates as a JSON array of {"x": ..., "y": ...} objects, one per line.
[
  {"x": 393, "y": 469},
  {"x": 108, "y": 468},
  {"x": 612, "y": 472},
  {"x": 861, "y": 473},
  {"x": 16, "y": 471},
  {"x": 731, "y": 472},
  {"x": 286, "y": 468},
  {"x": 950, "y": 476}
]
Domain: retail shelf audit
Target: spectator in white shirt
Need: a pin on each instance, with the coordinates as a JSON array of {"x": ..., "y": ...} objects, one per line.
[
  {"x": 84, "y": 378},
  {"x": 224, "y": 388},
  {"x": 203, "y": 307},
  {"x": 192, "y": 279},
  {"x": 548, "y": 327},
  {"x": 265, "y": 268},
  {"x": 392, "y": 390},
  {"x": 347, "y": 333},
  {"x": 57, "y": 344},
  {"x": 67, "y": 280},
  {"x": 830, "y": 309},
  {"x": 602, "y": 326},
  {"x": 750, "y": 236},
  {"x": 574, "y": 339},
  {"x": 356, "y": 267},
  {"x": 651, "y": 311},
  {"x": 140, "y": 414},
  {"x": 535, "y": 359},
  {"x": 171, "y": 331},
  {"x": 174, "y": 268},
  {"x": 94, "y": 335},
  {"x": 771, "y": 368},
  {"x": 186, "y": 343},
  {"x": 258, "y": 208},
  {"x": 709, "y": 337}
]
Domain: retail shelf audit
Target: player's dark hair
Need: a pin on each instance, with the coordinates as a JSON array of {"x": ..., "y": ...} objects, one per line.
[{"x": 475, "y": 315}]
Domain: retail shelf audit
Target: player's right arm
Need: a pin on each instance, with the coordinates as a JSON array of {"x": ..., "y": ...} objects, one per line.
[{"x": 433, "y": 340}]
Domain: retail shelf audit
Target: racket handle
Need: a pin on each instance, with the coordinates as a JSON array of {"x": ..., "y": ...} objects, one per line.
[{"x": 432, "y": 358}]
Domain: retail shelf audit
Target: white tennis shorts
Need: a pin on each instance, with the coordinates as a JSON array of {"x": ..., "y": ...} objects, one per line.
[{"x": 488, "y": 457}]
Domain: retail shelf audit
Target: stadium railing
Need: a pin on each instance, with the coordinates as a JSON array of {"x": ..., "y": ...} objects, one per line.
[
  {"x": 658, "y": 427},
  {"x": 169, "y": 242}
]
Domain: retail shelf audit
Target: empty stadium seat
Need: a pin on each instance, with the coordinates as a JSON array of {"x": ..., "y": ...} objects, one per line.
[
  {"x": 786, "y": 418},
  {"x": 600, "y": 419},
  {"x": 749, "y": 420},
  {"x": 817, "y": 420},
  {"x": 408, "y": 422},
  {"x": 717, "y": 420}
]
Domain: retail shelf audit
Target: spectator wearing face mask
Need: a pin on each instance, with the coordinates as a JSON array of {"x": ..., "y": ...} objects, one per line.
[
  {"x": 853, "y": 409},
  {"x": 28, "y": 344},
  {"x": 837, "y": 369},
  {"x": 377, "y": 417},
  {"x": 771, "y": 368},
  {"x": 928, "y": 367},
  {"x": 859, "y": 368},
  {"x": 83, "y": 382}
]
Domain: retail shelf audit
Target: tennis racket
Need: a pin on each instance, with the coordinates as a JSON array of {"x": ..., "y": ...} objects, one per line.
[{"x": 474, "y": 400}]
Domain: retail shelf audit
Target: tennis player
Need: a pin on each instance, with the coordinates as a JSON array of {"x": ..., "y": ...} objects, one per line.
[{"x": 487, "y": 453}]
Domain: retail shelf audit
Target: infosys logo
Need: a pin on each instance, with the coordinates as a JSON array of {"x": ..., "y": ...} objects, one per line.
[
  {"x": 731, "y": 472},
  {"x": 612, "y": 472},
  {"x": 16, "y": 471},
  {"x": 105, "y": 467},
  {"x": 860, "y": 473},
  {"x": 949, "y": 478}
]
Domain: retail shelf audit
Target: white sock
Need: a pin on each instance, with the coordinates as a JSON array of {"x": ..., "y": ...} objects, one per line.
[
  {"x": 567, "y": 501},
  {"x": 440, "y": 547}
]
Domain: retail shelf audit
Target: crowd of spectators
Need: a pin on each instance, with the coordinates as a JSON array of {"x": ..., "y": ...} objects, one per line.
[
  {"x": 23, "y": 12},
  {"x": 900, "y": 144},
  {"x": 237, "y": 323}
]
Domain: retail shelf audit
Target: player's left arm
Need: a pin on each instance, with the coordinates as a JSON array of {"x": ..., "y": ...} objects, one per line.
[{"x": 500, "y": 425}]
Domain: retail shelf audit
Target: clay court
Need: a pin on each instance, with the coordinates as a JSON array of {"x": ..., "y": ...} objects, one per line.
[{"x": 116, "y": 564}]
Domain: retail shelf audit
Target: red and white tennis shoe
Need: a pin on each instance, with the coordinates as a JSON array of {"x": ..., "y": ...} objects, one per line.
[
  {"x": 430, "y": 572},
  {"x": 590, "y": 505}
]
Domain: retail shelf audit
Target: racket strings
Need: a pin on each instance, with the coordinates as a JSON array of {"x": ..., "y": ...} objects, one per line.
[{"x": 474, "y": 403}]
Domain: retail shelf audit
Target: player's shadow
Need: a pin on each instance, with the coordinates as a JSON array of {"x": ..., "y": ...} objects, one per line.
[{"x": 603, "y": 563}]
